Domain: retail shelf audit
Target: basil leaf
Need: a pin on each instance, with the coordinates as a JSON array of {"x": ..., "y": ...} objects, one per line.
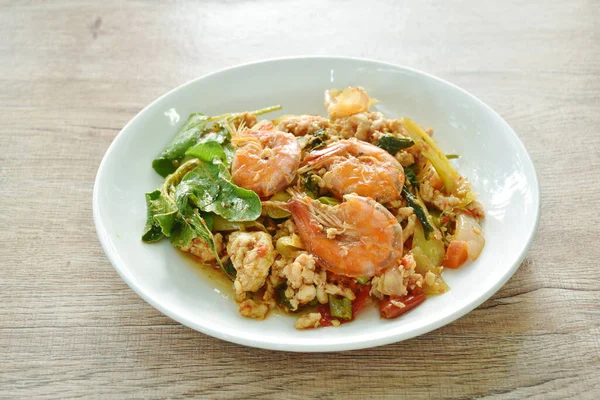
[
  {"x": 393, "y": 144},
  {"x": 311, "y": 186},
  {"x": 160, "y": 216},
  {"x": 209, "y": 188},
  {"x": 169, "y": 158},
  {"x": 229, "y": 268},
  {"x": 218, "y": 134},
  {"x": 411, "y": 174},
  {"x": 421, "y": 214},
  {"x": 317, "y": 140},
  {"x": 229, "y": 152},
  {"x": 207, "y": 151}
]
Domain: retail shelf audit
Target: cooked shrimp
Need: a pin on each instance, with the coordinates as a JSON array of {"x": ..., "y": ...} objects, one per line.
[
  {"x": 350, "y": 101},
  {"x": 265, "y": 161},
  {"x": 358, "y": 237},
  {"x": 358, "y": 167}
]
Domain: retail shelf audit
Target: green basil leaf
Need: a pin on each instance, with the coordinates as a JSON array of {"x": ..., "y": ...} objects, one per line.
[
  {"x": 170, "y": 157},
  {"x": 193, "y": 226},
  {"x": 208, "y": 188},
  {"x": 207, "y": 151},
  {"x": 393, "y": 144},
  {"x": 411, "y": 174},
  {"x": 160, "y": 216}
]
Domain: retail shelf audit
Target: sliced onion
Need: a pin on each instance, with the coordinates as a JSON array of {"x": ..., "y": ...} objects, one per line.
[{"x": 469, "y": 230}]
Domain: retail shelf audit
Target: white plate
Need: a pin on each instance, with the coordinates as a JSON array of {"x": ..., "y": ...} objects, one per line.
[{"x": 492, "y": 157}]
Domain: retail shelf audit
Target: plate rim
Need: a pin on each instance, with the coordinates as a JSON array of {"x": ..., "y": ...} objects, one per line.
[{"x": 116, "y": 262}]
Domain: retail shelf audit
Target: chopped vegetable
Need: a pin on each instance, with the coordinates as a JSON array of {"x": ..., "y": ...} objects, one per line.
[
  {"x": 411, "y": 174},
  {"x": 425, "y": 265},
  {"x": 316, "y": 140},
  {"x": 311, "y": 186},
  {"x": 469, "y": 231},
  {"x": 326, "y": 317},
  {"x": 363, "y": 280},
  {"x": 393, "y": 144},
  {"x": 340, "y": 307},
  {"x": 220, "y": 224},
  {"x": 388, "y": 310},
  {"x": 289, "y": 246},
  {"x": 361, "y": 298},
  {"x": 419, "y": 210},
  {"x": 277, "y": 212},
  {"x": 281, "y": 298},
  {"x": 429, "y": 174},
  {"x": 456, "y": 254},
  {"x": 229, "y": 268},
  {"x": 452, "y": 156},
  {"x": 432, "y": 247},
  {"x": 330, "y": 201},
  {"x": 433, "y": 153}
]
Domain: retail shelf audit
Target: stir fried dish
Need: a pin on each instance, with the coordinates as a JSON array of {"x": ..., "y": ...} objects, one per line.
[{"x": 318, "y": 217}]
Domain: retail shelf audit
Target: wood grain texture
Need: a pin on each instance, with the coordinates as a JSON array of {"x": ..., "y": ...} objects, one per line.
[{"x": 73, "y": 73}]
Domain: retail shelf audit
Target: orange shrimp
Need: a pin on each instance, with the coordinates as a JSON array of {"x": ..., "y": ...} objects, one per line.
[
  {"x": 265, "y": 161},
  {"x": 358, "y": 237},
  {"x": 354, "y": 166}
]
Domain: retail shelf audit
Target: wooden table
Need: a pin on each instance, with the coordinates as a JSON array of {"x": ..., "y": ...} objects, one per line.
[{"x": 73, "y": 73}]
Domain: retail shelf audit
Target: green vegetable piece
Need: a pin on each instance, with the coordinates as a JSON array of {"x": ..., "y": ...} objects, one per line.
[
  {"x": 317, "y": 140},
  {"x": 311, "y": 186},
  {"x": 229, "y": 152},
  {"x": 340, "y": 307},
  {"x": 208, "y": 187},
  {"x": 445, "y": 170},
  {"x": 452, "y": 156},
  {"x": 191, "y": 226},
  {"x": 433, "y": 248},
  {"x": 171, "y": 156},
  {"x": 330, "y": 201},
  {"x": 181, "y": 224},
  {"x": 393, "y": 144},
  {"x": 281, "y": 298},
  {"x": 159, "y": 218},
  {"x": 436, "y": 217},
  {"x": 207, "y": 151},
  {"x": 276, "y": 212},
  {"x": 411, "y": 174},
  {"x": 363, "y": 280},
  {"x": 424, "y": 265},
  {"x": 289, "y": 246},
  {"x": 229, "y": 268},
  {"x": 220, "y": 224},
  {"x": 419, "y": 211},
  {"x": 218, "y": 133}
]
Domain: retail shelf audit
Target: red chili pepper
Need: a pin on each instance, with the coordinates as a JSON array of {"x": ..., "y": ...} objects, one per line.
[
  {"x": 325, "y": 315},
  {"x": 389, "y": 310},
  {"x": 361, "y": 298}
]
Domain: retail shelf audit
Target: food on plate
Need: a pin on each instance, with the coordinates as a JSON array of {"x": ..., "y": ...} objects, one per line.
[{"x": 317, "y": 216}]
